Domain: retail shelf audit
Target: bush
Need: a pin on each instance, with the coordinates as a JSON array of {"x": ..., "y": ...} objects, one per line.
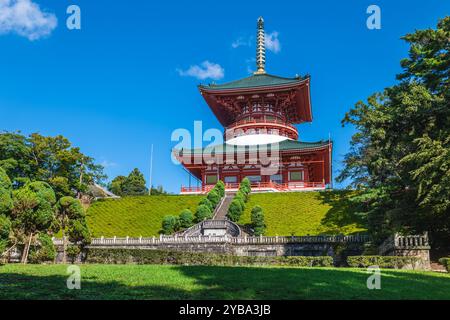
[
  {"x": 388, "y": 262},
  {"x": 446, "y": 263},
  {"x": 186, "y": 218},
  {"x": 245, "y": 186},
  {"x": 43, "y": 251},
  {"x": 170, "y": 224},
  {"x": 235, "y": 210},
  {"x": 220, "y": 188},
  {"x": 207, "y": 203},
  {"x": 203, "y": 213},
  {"x": 258, "y": 223},
  {"x": 214, "y": 197},
  {"x": 73, "y": 251},
  {"x": 139, "y": 256}
]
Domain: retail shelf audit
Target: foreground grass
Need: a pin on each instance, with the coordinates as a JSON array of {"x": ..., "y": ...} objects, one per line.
[
  {"x": 305, "y": 213},
  {"x": 195, "y": 282},
  {"x": 135, "y": 216}
]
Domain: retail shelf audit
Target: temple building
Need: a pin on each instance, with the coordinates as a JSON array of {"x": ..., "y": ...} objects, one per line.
[{"x": 261, "y": 142}]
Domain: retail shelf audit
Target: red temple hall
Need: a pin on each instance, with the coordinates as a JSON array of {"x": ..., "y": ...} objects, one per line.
[{"x": 258, "y": 114}]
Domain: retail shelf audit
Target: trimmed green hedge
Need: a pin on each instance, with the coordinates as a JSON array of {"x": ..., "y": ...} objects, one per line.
[
  {"x": 139, "y": 256},
  {"x": 388, "y": 262},
  {"x": 446, "y": 263}
]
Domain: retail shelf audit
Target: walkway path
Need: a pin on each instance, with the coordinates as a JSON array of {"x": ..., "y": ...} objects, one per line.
[{"x": 221, "y": 211}]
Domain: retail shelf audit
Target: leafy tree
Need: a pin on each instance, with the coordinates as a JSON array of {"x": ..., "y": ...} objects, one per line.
[
  {"x": 49, "y": 159},
  {"x": 203, "y": 213},
  {"x": 71, "y": 221},
  {"x": 116, "y": 185},
  {"x": 186, "y": 218},
  {"x": 220, "y": 187},
  {"x": 206, "y": 202},
  {"x": 213, "y": 197},
  {"x": 33, "y": 212},
  {"x": 134, "y": 184},
  {"x": 257, "y": 219},
  {"x": 170, "y": 224},
  {"x": 43, "y": 249},
  {"x": 245, "y": 185},
  {"x": 6, "y": 202},
  {"x": 5, "y": 231},
  {"x": 235, "y": 210},
  {"x": 399, "y": 157}
]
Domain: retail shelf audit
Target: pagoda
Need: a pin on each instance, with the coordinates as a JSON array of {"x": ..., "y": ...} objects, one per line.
[{"x": 258, "y": 114}]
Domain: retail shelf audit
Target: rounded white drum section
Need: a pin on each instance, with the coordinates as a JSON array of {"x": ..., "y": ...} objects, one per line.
[{"x": 255, "y": 139}]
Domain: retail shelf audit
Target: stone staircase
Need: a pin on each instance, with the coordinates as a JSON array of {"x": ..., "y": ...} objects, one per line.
[{"x": 221, "y": 211}]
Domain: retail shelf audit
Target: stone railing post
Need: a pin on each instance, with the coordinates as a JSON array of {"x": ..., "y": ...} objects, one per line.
[{"x": 101, "y": 239}]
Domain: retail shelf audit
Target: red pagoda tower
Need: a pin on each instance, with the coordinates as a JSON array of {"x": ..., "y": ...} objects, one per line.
[{"x": 259, "y": 113}]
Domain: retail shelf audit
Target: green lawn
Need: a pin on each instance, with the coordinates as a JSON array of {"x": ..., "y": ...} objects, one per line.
[
  {"x": 135, "y": 216},
  {"x": 189, "y": 282},
  {"x": 305, "y": 213}
]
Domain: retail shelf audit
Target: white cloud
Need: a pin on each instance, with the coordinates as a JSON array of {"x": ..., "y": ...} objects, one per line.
[
  {"x": 25, "y": 18},
  {"x": 203, "y": 71},
  {"x": 272, "y": 42},
  {"x": 108, "y": 164},
  {"x": 241, "y": 42}
]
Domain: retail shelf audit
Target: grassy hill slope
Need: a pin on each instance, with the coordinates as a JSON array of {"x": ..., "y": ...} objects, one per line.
[
  {"x": 305, "y": 213},
  {"x": 135, "y": 216}
]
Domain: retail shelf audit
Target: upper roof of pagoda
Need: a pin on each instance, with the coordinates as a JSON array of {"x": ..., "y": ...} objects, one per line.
[
  {"x": 255, "y": 81},
  {"x": 290, "y": 96}
]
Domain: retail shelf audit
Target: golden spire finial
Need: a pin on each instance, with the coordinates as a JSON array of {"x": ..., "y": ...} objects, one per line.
[{"x": 260, "y": 48}]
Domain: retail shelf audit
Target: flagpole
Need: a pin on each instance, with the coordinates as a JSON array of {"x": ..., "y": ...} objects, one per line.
[{"x": 151, "y": 172}]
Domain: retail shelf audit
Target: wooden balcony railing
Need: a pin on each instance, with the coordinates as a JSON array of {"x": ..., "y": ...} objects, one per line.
[{"x": 260, "y": 185}]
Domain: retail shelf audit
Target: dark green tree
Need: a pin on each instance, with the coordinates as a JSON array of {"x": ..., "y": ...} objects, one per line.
[
  {"x": 33, "y": 213},
  {"x": 399, "y": 157},
  {"x": 258, "y": 222},
  {"x": 186, "y": 218},
  {"x": 116, "y": 185},
  {"x": 170, "y": 224},
  {"x": 71, "y": 222},
  {"x": 203, "y": 213},
  {"x": 134, "y": 184},
  {"x": 50, "y": 159}
]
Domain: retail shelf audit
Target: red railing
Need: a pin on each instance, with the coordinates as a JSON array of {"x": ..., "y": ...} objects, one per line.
[{"x": 260, "y": 185}]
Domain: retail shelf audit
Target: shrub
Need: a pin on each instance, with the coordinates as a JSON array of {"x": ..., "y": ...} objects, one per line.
[
  {"x": 170, "y": 224},
  {"x": 207, "y": 203},
  {"x": 240, "y": 198},
  {"x": 220, "y": 187},
  {"x": 245, "y": 185},
  {"x": 258, "y": 223},
  {"x": 235, "y": 210},
  {"x": 203, "y": 212},
  {"x": 186, "y": 218},
  {"x": 43, "y": 251},
  {"x": 120, "y": 256},
  {"x": 214, "y": 197},
  {"x": 446, "y": 263},
  {"x": 388, "y": 262},
  {"x": 72, "y": 252}
]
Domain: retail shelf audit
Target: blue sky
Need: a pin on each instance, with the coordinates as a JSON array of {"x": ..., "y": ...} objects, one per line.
[{"x": 122, "y": 82}]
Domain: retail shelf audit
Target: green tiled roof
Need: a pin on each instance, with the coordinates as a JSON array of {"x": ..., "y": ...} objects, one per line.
[
  {"x": 283, "y": 146},
  {"x": 254, "y": 81}
]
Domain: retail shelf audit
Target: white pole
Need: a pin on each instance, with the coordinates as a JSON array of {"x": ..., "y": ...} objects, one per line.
[{"x": 151, "y": 172}]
